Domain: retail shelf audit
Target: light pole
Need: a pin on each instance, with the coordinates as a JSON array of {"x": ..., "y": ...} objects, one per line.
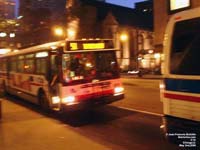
[{"x": 123, "y": 39}]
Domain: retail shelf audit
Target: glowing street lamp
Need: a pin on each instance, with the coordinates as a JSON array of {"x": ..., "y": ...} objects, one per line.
[
  {"x": 58, "y": 31},
  {"x": 123, "y": 37},
  {"x": 69, "y": 33}
]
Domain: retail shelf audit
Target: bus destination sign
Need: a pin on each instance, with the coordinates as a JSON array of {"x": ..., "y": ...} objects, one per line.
[{"x": 89, "y": 45}]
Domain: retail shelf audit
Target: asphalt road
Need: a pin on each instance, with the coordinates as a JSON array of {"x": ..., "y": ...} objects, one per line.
[{"x": 142, "y": 95}]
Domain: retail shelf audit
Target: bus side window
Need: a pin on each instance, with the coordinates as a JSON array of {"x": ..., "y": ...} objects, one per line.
[
  {"x": 13, "y": 64},
  {"x": 20, "y": 64},
  {"x": 190, "y": 62},
  {"x": 41, "y": 65}
]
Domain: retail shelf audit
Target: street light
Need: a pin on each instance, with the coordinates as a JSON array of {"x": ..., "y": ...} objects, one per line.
[
  {"x": 63, "y": 32},
  {"x": 123, "y": 54},
  {"x": 123, "y": 37},
  {"x": 58, "y": 31}
]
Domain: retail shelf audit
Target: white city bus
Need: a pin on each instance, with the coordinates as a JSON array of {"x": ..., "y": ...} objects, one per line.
[
  {"x": 64, "y": 74},
  {"x": 180, "y": 91}
]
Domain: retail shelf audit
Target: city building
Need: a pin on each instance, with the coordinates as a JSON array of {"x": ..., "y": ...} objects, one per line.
[
  {"x": 8, "y": 15},
  {"x": 131, "y": 31},
  {"x": 56, "y": 7},
  {"x": 9, "y": 9}
]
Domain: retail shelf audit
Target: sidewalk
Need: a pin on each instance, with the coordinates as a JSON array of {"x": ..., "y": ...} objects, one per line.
[{"x": 22, "y": 128}]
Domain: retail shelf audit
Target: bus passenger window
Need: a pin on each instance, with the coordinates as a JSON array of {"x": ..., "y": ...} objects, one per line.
[
  {"x": 185, "y": 47},
  {"x": 20, "y": 66},
  {"x": 41, "y": 65}
]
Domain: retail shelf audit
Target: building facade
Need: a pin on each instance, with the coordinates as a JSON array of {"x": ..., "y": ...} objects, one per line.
[
  {"x": 9, "y": 9},
  {"x": 56, "y": 7},
  {"x": 131, "y": 30},
  {"x": 162, "y": 13}
]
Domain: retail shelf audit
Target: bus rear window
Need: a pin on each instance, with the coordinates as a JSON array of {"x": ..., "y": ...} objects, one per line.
[{"x": 185, "y": 50}]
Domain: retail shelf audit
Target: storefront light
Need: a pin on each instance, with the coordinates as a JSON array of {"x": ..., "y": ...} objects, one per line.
[
  {"x": 157, "y": 55},
  {"x": 12, "y": 35},
  {"x": 150, "y": 51},
  {"x": 3, "y": 34},
  {"x": 179, "y": 4}
]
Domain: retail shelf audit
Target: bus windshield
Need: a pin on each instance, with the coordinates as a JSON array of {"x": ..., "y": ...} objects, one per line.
[
  {"x": 185, "y": 50},
  {"x": 87, "y": 66}
]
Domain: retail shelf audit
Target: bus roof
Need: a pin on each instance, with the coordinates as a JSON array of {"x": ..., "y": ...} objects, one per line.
[
  {"x": 54, "y": 45},
  {"x": 187, "y": 14},
  {"x": 46, "y": 46}
]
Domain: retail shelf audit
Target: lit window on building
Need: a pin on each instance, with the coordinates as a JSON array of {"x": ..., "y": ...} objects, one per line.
[{"x": 179, "y": 4}]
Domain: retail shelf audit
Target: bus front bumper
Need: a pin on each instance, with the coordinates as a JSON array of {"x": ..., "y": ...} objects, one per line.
[{"x": 91, "y": 103}]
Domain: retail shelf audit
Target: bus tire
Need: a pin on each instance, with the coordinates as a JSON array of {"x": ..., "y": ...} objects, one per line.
[
  {"x": 43, "y": 101},
  {"x": 3, "y": 90}
]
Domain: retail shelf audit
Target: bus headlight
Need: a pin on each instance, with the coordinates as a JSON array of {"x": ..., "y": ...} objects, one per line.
[
  {"x": 55, "y": 100},
  {"x": 118, "y": 91},
  {"x": 69, "y": 99},
  {"x": 162, "y": 86}
]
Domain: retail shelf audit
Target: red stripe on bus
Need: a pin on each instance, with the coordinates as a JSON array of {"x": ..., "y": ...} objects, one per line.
[
  {"x": 182, "y": 97},
  {"x": 96, "y": 94}
]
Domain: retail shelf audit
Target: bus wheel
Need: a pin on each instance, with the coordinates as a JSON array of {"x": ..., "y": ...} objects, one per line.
[
  {"x": 43, "y": 101},
  {"x": 3, "y": 91}
]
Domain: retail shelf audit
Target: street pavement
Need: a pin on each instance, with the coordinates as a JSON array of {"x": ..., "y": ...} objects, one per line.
[{"x": 25, "y": 129}]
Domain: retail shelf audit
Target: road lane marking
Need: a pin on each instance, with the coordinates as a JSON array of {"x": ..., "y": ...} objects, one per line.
[{"x": 141, "y": 111}]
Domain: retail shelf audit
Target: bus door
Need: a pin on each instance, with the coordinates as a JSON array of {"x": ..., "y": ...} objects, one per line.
[{"x": 54, "y": 73}]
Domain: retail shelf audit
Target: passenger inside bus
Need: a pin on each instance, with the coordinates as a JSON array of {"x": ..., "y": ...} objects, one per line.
[{"x": 54, "y": 70}]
